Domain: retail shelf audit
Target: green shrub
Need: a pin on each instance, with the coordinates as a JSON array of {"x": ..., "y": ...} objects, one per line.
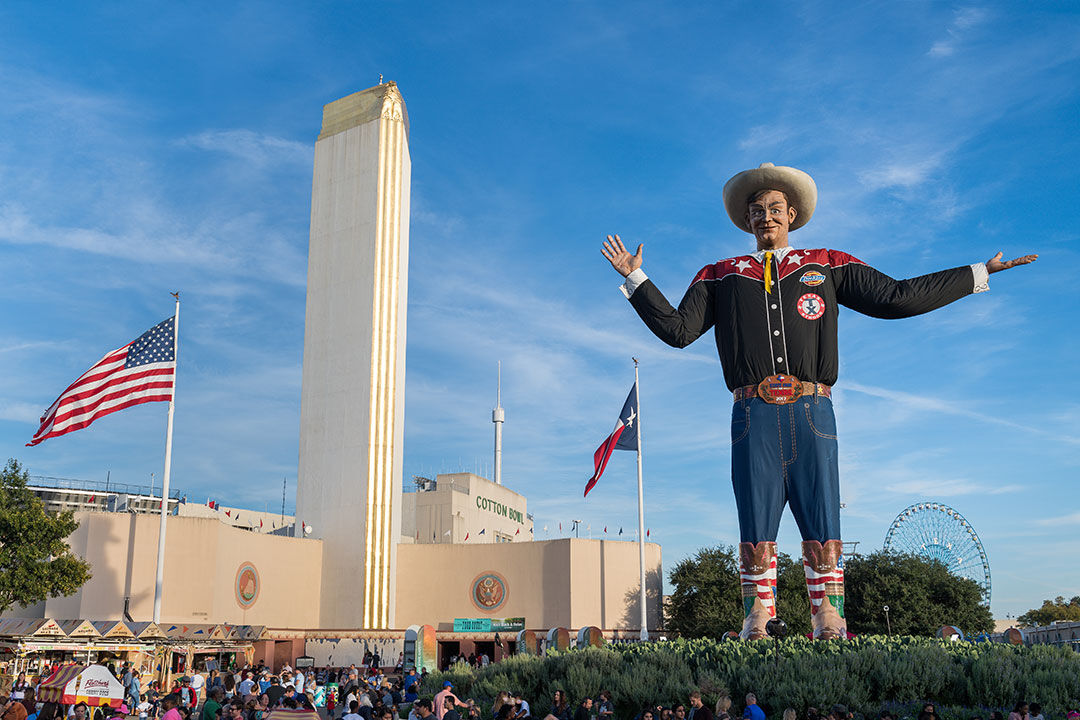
[{"x": 868, "y": 674}]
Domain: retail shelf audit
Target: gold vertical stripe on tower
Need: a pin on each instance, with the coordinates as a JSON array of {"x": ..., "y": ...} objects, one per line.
[
  {"x": 373, "y": 416},
  {"x": 392, "y": 379},
  {"x": 384, "y": 370},
  {"x": 386, "y": 178}
]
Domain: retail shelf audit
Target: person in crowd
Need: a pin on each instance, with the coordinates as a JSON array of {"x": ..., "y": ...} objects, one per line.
[
  {"x": 246, "y": 685},
  {"x": 560, "y": 707},
  {"x": 298, "y": 680},
  {"x": 522, "y": 709},
  {"x": 198, "y": 682},
  {"x": 584, "y": 709},
  {"x": 679, "y": 712},
  {"x": 1035, "y": 711},
  {"x": 50, "y": 711},
  {"x": 723, "y": 707},
  {"x": 132, "y": 690},
  {"x": 1020, "y": 712},
  {"x": 446, "y": 695},
  {"x": 753, "y": 711},
  {"x": 11, "y": 709},
  {"x": 354, "y": 711},
  {"x": 502, "y": 698},
  {"x": 698, "y": 709},
  {"x": 450, "y": 712},
  {"x": 29, "y": 702},
  {"x": 171, "y": 705},
  {"x": 838, "y": 712},
  {"x": 424, "y": 709},
  {"x": 646, "y": 714},
  {"x": 144, "y": 707},
  {"x": 19, "y": 687},
  {"x": 185, "y": 696},
  {"x": 789, "y": 713},
  {"x": 275, "y": 692},
  {"x": 212, "y": 707}
]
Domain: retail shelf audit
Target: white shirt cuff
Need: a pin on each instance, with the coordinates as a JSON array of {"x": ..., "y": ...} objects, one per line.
[
  {"x": 982, "y": 278},
  {"x": 635, "y": 278}
]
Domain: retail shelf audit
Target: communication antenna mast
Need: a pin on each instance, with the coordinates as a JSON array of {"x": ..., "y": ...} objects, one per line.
[{"x": 498, "y": 416}]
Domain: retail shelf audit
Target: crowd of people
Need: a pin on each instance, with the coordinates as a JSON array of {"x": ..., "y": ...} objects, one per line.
[{"x": 367, "y": 692}]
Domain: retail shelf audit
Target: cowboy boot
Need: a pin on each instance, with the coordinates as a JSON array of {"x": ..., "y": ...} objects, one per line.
[
  {"x": 757, "y": 574},
  {"x": 824, "y": 568}
]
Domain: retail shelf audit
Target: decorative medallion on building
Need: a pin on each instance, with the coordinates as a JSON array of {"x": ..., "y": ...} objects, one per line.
[
  {"x": 489, "y": 591},
  {"x": 247, "y": 585}
]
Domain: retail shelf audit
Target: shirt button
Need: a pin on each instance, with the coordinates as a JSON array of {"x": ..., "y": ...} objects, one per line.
[
  {"x": 774, "y": 306},
  {"x": 775, "y": 332},
  {"x": 779, "y": 359}
]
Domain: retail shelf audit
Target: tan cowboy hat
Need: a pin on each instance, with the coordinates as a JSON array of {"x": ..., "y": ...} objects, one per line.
[{"x": 797, "y": 185}]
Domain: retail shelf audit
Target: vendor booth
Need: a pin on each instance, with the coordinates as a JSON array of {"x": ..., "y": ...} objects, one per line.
[{"x": 91, "y": 684}]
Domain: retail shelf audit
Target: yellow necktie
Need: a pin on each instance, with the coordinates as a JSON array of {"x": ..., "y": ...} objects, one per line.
[{"x": 768, "y": 272}]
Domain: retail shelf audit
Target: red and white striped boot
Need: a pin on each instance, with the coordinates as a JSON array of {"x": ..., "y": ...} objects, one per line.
[
  {"x": 824, "y": 568},
  {"x": 757, "y": 574}
]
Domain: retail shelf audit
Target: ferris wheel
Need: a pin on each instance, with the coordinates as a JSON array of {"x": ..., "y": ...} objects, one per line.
[{"x": 936, "y": 531}]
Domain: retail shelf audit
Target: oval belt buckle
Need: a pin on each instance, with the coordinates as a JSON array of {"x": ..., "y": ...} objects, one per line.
[{"x": 780, "y": 389}]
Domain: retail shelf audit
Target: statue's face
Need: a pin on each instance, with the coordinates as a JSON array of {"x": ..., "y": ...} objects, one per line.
[{"x": 770, "y": 217}]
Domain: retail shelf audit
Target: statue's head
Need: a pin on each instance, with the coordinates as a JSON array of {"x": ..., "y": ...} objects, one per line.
[{"x": 770, "y": 215}]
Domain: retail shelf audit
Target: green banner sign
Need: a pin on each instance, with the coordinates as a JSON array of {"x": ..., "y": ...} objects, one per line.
[{"x": 489, "y": 624}]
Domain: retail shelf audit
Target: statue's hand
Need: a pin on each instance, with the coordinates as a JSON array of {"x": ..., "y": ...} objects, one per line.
[
  {"x": 994, "y": 264},
  {"x": 619, "y": 257}
]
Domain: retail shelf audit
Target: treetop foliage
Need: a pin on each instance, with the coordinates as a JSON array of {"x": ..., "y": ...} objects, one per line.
[
  {"x": 35, "y": 560},
  {"x": 922, "y": 595}
]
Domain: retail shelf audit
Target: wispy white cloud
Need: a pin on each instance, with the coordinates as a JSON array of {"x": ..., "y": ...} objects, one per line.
[
  {"x": 947, "y": 487},
  {"x": 964, "y": 20},
  {"x": 251, "y": 147},
  {"x": 907, "y": 172},
  {"x": 21, "y": 412},
  {"x": 948, "y": 407},
  {"x": 1073, "y": 519}
]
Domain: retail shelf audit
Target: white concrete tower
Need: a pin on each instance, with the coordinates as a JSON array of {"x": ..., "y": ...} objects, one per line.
[
  {"x": 498, "y": 417},
  {"x": 353, "y": 398}
]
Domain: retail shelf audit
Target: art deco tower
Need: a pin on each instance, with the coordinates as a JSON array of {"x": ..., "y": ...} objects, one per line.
[{"x": 353, "y": 396}]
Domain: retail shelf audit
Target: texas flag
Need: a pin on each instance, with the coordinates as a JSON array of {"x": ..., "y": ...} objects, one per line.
[{"x": 623, "y": 437}]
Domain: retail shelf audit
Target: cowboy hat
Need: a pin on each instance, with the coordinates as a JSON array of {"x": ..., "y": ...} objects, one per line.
[{"x": 797, "y": 185}]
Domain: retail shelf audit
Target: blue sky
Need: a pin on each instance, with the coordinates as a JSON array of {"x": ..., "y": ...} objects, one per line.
[{"x": 149, "y": 147}]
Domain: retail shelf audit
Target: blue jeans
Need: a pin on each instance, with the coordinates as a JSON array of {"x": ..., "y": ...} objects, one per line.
[{"x": 785, "y": 454}]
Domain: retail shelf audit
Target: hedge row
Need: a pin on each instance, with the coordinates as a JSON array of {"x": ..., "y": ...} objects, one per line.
[{"x": 868, "y": 674}]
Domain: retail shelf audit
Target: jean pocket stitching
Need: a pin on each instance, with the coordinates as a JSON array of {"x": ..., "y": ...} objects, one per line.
[
  {"x": 810, "y": 422},
  {"x": 746, "y": 428}
]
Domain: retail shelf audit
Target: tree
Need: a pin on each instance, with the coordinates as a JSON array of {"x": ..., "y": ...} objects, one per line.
[
  {"x": 1057, "y": 609},
  {"x": 707, "y": 601},
  {"x": 922, "y": 595},
  {"x": 35, "y": 561}
]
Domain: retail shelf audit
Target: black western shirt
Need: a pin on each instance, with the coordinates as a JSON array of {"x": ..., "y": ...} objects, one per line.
[{"x": 791, "y": 328}]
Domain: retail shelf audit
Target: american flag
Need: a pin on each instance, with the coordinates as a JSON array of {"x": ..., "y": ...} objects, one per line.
[{"x": 140, "y": 372}]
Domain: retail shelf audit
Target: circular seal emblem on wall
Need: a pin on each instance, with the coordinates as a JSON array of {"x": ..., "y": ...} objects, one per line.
[
  {"x": 811, "y": 306},
  {"x": 489, "y": 591},
  {"x": 247, "y": 585}
]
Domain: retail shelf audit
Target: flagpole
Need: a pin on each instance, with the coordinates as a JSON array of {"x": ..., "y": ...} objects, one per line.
[
  {"x": 641, "y": 512},
  {"x": 160, "y": 576}
]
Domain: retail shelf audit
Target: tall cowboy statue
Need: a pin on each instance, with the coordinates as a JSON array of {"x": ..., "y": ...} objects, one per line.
[{"x": 774, "y": 313}]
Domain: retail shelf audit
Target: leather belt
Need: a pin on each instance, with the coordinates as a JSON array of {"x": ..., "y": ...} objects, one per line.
[{"x": 781, "y": 390}]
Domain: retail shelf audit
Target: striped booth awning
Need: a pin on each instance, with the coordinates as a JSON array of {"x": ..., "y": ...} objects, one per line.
[{"x": 91, "y": 684}]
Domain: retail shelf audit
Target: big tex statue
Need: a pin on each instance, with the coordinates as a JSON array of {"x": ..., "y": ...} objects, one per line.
[{"x": 774, "y": 314}]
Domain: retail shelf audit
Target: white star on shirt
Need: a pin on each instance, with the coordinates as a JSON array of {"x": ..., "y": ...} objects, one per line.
[
  {"x": 742, "y": 265},
  {"x": 795, "y": 258}
]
